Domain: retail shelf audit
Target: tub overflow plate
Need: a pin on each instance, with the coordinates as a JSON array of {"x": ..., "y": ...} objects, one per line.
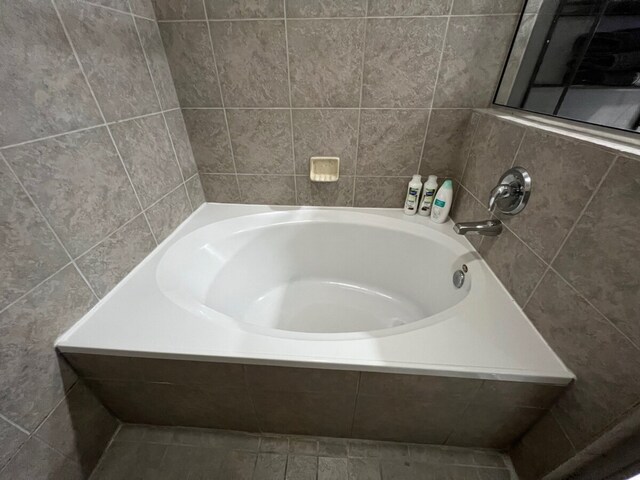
[{"x": 458, "y": 278}]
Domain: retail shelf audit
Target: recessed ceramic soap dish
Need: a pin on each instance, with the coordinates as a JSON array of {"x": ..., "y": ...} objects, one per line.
[{"x": 324, "y": 169}]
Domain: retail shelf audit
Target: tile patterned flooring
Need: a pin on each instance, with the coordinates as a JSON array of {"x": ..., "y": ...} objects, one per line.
[{"x": 167, "y": 453}]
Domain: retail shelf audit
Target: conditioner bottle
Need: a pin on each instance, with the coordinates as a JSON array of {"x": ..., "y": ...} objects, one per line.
[{"x": 442, "y": 202}]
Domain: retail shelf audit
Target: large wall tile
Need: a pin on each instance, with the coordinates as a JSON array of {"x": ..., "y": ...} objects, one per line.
[
  {"x": 443, "y": 149},
  {"x": 543, "y": 448},
  {"x": 396, "y": 418},
  {"x": 285, "y": 412},
  {"x": 160, "y": 72},
  {"x": 195, "y": 191},
  {"x": 335, "y": 194},
  {"x": 108, "y": 262},
  {"x": 43, "y": 90},
  {"x": 143, "y": 8},
  {"x": 492, "y": 426},
  {"x": 261, "y": 140},
  {"x": 245, "y": 8},
  {"x": 325, "y": 58},
  {"x": 391, "y": 141},
  {"x": 505, "y": 252},
  {"x": 166, "y": 215},
  {"x": 391, "y": 8},
  {"x": 484, "y": 7},
  {"x": 122, "y": 5},
  {"x": 400, "y": 59},
  {"x": 517, "y": 394},
  {"x": 291, "y": 379},
  {"x": 220, "y": 188},
  {"x": 383, "y": 192},
  {"x": 38, "y": 460},
  {"x": 427, "y": 388},
  {"x": 80, "y": 427},
  {"x": 29, "y": 252},
  {"x": 78, "y": 182},
  {"x": 32, "y": 379},
  {"x": 492, "y": 153},
  {"x": 147, "y": 153},
  {"x": 325, "y": 133},
  {"x": 209, "y": 140},
  {"x": 267, "y": 189},
  {"x": 550, "y": 161},
  {"x": 252, "y": 62},
  {"x": 181, "y": 144},
  {"x": 606, "y": 364},
  {"x": 111, "y": 55},
  {"x": 185, "y": 405},
  {"x": 602, "y": 256},
  {"x": 474, "y": 52},
  {"x": 190, "y": 57},
  {"x": 326, "y": 8},
  {"x": 179, "y": 9},
  {"x": 11, "y": 439}
]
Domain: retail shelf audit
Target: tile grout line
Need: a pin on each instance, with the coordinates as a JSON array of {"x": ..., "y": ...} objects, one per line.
[
  {"x": 362, "y": 60},
  {"x": 435, "y": 86},
  {"x": 160, "y": 103},
  {"x": 95, "y": 99},
  {"x": 106, "y": 449},
  {"x": 222, "y": 102},
  {"x": 33, "y": 433},
  {"x": 355, "y": 17},
  {"x": 13, "y": 424},
  {"x": 50, "y": 227},
  {"x": 471, "y": 144},
  {"x": 573, "y": 227},
  {"x": 130, "y": 12},
  {"x": 84, "y": 129},
  {"x": 293, "y": 146}
]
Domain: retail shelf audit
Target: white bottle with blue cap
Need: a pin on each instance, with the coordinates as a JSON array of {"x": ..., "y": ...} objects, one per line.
[{"x": 442, "y": 202}]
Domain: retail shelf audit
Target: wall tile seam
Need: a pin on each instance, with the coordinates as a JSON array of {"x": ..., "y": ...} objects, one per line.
[
  {"x": 84, "y": 129},
  {"x": 49, "y": 226},
  {"x": 113, "y": 141},
  {"x": 254, "y": 410},
  {"x": 571, "y": 230},
  {"x": 164, "y": 118},
  {"x": 435, "y": 86},
  {"x": 566, "y": 136},
  {"x": 317, "y": 108},
  {"x": 357, "y": 396},
  {"x": 357, "y": 17},
  {"x": 561, "y": 470},
  {"x": 106, "y": 449},
  {"x": 554, "y": 416},
  {"x": 116, "y": 10},
  {"x": 293, "y": 148},
  {"x": 119, "y": 228},
  {"x": 222, "y": 102},
  {"x": 550, "y": 268},
  {"x": 33, "y": 434}
]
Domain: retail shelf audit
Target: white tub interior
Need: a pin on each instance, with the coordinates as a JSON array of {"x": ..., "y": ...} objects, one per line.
[
  {"x": 342, "y": 288},
  {"x": 310, "y": 272}
]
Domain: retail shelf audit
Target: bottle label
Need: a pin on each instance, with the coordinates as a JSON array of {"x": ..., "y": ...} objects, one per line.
[{"x": 440, "y": 203}]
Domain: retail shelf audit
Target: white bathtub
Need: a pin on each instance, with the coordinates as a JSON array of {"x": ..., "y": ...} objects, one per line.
[{"x": 357, "y": 289}]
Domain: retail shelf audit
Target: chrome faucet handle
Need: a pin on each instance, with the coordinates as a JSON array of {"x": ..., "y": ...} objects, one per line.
[
  {"x": 501, "y": 191},
  {"x": 512, "y": 193}
]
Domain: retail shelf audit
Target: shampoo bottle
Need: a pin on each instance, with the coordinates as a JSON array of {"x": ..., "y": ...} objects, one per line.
[
  {"x": 413, "y": 195},
  {"x": 429, "y": 191},
  {"x": 442, "y": 203}
]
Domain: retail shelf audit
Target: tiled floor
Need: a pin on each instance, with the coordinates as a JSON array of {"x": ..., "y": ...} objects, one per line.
[{"x": 154, "y": 453}]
